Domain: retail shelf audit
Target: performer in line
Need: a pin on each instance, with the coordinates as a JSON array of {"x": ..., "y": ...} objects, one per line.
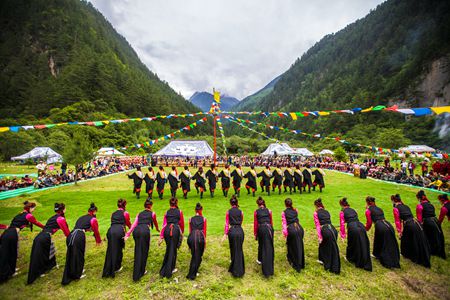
[
  {"x": 76, "y": 245},
  {"x": 9, "y": 240},
  {"x": 293, "y": 233},
  {"x": 298, "y": 179},
  {"x": 328, "y": 235},
  {"x": 426, "y": 215},
  {"x": 265, "y": 174},
  {"x": 225, "y": 175},
  {"x": 307, "y": 179},
  {"x": 172, "y": 232},
  {"x": 358, "y": 245},
  {"x": 145, "y": 220},
  {"x": 288, "y": 180},
  {"x": 385, "y": 245},
  {"x": 237, "y": 175},
  {"x": 212, "y": 176},
  {"x": 413, "y": 242},
  {"x": 185, "y": 179},
  {"x": 161, "y": 179},
  {"x": 445, "y": 209},
  {"x": 196, "y": 240},
  {"x": 277, "y": 179},
  {"x": 263, "y": 232},
  {"x": 233, "y": 229},
  {"x": 173, "y": 181},
  {"x": 319, "y": 174},
  {"x": 149, "y": 178},
  {"x": 137, "y": 177},
  {"x": 251, "y": 180},
  {"x": 43, "y": 257},
  {"x": 200, "y": 181},
  {"x": 115, "y": 235}
]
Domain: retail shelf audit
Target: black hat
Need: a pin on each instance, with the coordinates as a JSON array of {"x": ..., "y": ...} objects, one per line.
[{"x": 198, "y": 206}]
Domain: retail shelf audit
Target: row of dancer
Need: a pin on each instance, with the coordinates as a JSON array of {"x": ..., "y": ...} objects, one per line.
[
  {"x": 420, "y": 237},
  {"x": 293, "y": 179}
]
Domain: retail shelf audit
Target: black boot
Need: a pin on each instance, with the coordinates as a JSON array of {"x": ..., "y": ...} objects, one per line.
[
  {"x": 138, "y": 195},
  {"x": 212, "y": 194},
  {"x": 248, "y": 191},
  {"x": 196, "y": 188},
  {"x": 253, "y": 194},
  {"x": 290, "y": 191},
  {"x": 201, "y": 195}
]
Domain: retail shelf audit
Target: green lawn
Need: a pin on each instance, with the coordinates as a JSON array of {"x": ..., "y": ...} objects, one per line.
[
  {"x": 15, "y": 168},
  {"x": 214, "y": 282}
]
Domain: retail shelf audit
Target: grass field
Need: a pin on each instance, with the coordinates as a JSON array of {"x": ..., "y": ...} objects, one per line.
[{"x": 214, "y": 282}]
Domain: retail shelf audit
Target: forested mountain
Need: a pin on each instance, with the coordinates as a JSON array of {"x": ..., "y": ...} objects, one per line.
[
  {"x": 251, "y": 101},
  {"x": 203, "y": 100},
  {"x": 398, "y": 54}
]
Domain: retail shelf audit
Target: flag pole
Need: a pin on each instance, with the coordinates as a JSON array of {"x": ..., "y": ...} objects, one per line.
[{"x": 215, "y": 141}]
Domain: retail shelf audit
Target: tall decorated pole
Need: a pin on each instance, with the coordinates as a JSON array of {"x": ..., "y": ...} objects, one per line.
[{"x": 215, "y": 109}]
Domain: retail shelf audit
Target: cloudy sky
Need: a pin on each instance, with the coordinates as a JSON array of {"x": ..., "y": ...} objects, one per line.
[{"x": 236, "y": 46}]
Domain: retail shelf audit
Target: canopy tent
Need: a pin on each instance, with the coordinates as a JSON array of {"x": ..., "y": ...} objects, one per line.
[
  {"x": 186, "y": 148},
  {"x": 326, "y": 152},
  {"x": 109, "y": 151},
  {"x": 302, "y": 152},
  {"x": 417, "y": 149},
  {"x": 278, "y": 149},
  {"x": 40, "y": 153}
]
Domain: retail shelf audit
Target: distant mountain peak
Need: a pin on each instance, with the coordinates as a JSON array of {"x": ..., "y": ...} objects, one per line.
[{"x": 204, "y": 99}]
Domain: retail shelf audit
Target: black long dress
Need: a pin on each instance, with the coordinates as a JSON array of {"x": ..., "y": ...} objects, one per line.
[
  {"x": 237, "y": 175},
  {"x": 414, "y": 244},
  {"x": 76, "y": 245},
  {"x": 173, "y": 182},
  {"x": 318, "y": 179},
  {"x": 298, "y": 180},
  {"x": 141, "y": 236},
  {"x": 185, "y": 179},
  {"x": 226, "y": 181},
  {"x": 251, "y": 181},
  {"x": 385, "y": 245},
  {"x": 160, "y": 183},
  {"x": 137, "y": 182},
  {"x": 307, "y": 179},
  {"x": 264, "y": 233},
  {"x": 294, "y": 239},
  {"x": 149, "y": 184},
  {"x": 236, "y": 239},
  {"x": 328, "y": 248},
  {"x": 172, "y": 232},
  {"x": 288, "y": 180},
  {"x": 433, "y": 230},
  {"x": 358, "y": 245},
  {"x": 200, "y": 181},
  {"x": 266, "y": 175},
  {"x": 196, "y": 242},
  {"x": 116, "y": 243},
  {"x": 277, "y": 179},
  {"x": 212, "y": 181}
]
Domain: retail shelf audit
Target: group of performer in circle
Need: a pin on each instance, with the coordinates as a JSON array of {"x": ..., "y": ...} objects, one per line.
[
  {"x": 420, "y": 237},
  {"x": 291, "y": 178}
]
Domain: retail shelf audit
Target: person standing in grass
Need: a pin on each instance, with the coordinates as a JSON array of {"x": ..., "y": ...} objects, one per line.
[
  {"x": 293, "y": 233},
  {"x": 385, "y": 245},
  {"x": 43, "y": 257},
  {"x": 196, "y": 240},
  {"x": 266, "y": 175},
  {"x": 137, "y": 177},
  {"x": 277, "y": 179},
  {"x": 115, "y": 235},
  {"x": 237, "y": 175},
  {"x": 185, "y": 179},
  {"x": 225, "y": 175},
  {"x": 328, "y": 235},
  {"x": 149, "y": 179},
  {"x": 307, "y": 179},
  {"x": 171, "y": 232},
  {"x": 319, "y": 174},
  {"x": 173, "y": 181},
  {"x": 76, "y": 245},
  {"x": 298, "y": 179},
  {"x": 251, "y": 180},
  {"x": 161, "y": 179},
  {"x": 200, "y": 181},
  {"x": 288, "y": 179},
  {"x": 9, "y": 240},
  {"x": 358, "y": 245},
  {"x": 445, "y": 209},
  {"x": 212, "y": 179},
  {"x": 263, "y": 231},
  {"x": 233, "y": 229},
  {"x": 413, "y": 242}
]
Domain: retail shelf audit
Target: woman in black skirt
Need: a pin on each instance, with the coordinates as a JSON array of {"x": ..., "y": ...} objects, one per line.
[
  {"x": 385, "y": 245},
  {"x": 161, "y": 179},
  {"x": 76, "y": 245},
  {"x": 293, "y": 233},
  {"x": 172, "y": 232},
  {"x": 327, "y": 234},
  {"x": 115, "y": 235},
  {"x": 200, "y": 181},
  {"x": 196, "y": 240},
  {"x": 263, "y": 231},
  {"x": 413, "y": 242},
  {"x": 426, "y": 215},
  {"x": 141, "y": 235},
  {"x": 358, "y": 245},
  {"x": 9, "y": 240},
  {"x": 43, "y": 257},
  {"x": 233, "y": 229}
]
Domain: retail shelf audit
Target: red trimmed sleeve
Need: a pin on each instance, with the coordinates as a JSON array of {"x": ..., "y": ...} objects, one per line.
[
  {"x": 204, "y": 226},
  {"x": 271, "y": 218},
  {"x": 132, "y": 226},
  {"x": 181, "y": 222},
  {"x": 368, "y": 220},
  {"x": 442, "y": 214},
  {"x": 419, "y": 209},
  {"x": 255, "y": 224},
  {"x": 94, "y": 226},
  {"x": 190, "y": 226},
  {"x": 63, "y": 225},
  {"x": 30, "y": 218},
  {"x": 342, "y": 224},
  {"x": 155, "y": 221},
  {"x": 318, "y": 228},
  {"x": 284, "y": 224},
  {"x": 127, "y": 219},
  {"x": 227, "y": 224},
  {"x": 161, "y": 235},
  {"x": 398, "y": 223}
]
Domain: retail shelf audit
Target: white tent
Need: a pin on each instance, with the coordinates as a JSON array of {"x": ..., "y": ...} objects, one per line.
[
  {"x": 302, "y": 152},
  {"x": 186, "y": 148},
  {"x": 108, "y": 151},
  {"x": 326, "y": 152},
  {"x": 279, "y": 149},
  {"x": 40, "y": 153},
  {"x": 417, "y": 149}
]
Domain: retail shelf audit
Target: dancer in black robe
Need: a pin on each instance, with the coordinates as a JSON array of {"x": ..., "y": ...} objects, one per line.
[
  {"x": 76, "y": 245},
  {"x": 288, "y": 179},
  {"x": 237, "y": 176},
  {"x": 251, "y": 181},
  {"x": 266, "y": 175},
  {"x": 385, "y": 245},
  {"x": 115, "y": 235},
  {"x": 150, "y": 179},
  {"x": 140, "y": 228},
  {"x": 413, "y": 242},
  {"x": 9, "y": 240},
  {"x": 298, "y": 179},
  {"x": 171, "y": 232},
  {"x": 328, "y": 235},
  {"x": 277, "y": 175},
  {"x": 318, "y": 179},
  {"x": 233, "y": 229},
  {"x": 137, "y": 177},
  {"x": 161, "y": 179},
  {"x": 196, "y": 240},
  {"x": 358, "y": 245},
  {"x": 426, "y": 215},
  {"x": 263, "y": 231},
  {"x": 200, "y": 181},
  {"x": 212, "y": 176},
  {"x": 173, "y": 181},
  {"x": 293, "y": 233},
  {"x": 307, "y": 179},
  {"x": 43, "y": 257},
  {"x": 445, "y": 208},
  {"x": 225, "y": 175},
  {"x": 185, "y": 179}
]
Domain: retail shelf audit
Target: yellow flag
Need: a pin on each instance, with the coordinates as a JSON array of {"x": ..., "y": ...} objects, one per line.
[
  {"x": 367, "y": 109},
  {"x": 293, "y": 116},
  {"x": 3, "y": 129},
  {"x": 217, "y": 96},
  {"x": 323, "y": 113},
  {"x": 440, "y": 110}
]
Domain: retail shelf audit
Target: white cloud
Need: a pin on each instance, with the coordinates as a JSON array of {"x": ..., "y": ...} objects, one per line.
[{"x": 235, "y": 46}]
